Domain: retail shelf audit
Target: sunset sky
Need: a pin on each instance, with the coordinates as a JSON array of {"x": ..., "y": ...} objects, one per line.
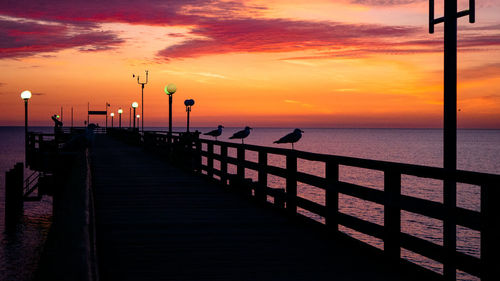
[{"x": 279, "y": 63}]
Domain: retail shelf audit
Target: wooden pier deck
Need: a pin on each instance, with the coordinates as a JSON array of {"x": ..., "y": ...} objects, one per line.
[{"x": 156, "y": 222}]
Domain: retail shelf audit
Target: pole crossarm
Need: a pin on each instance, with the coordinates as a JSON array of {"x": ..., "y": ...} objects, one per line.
[{"x": 471, "y": 12}]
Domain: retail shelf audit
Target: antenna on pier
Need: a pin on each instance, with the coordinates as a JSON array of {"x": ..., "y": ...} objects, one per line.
[
  {"x": 450, "y": 122},
  {"x": 142, "y": 97}
]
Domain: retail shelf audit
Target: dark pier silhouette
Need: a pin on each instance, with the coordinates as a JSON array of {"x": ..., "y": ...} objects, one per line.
[{"x": 153, "y": 206}]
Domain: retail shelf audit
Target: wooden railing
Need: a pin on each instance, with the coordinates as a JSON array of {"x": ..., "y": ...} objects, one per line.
[{"x": 393, "y": 201}]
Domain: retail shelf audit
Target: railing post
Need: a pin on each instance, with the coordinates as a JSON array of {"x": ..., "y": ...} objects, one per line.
[
  {"x": 261, "y": 194},
  {"x": 332, "y": 195},
  {"x": 449, "y": 226},
  {"x": 197, "y": 156},
  {"x": 291, "y": 182},
  {"x": 392, "y": 215},
  {"x": 14, "y": 188},
  {"x": 223, "y": 164},
  {"x": 210, "y": 160},
  {"x": 240, "y": 169},
  {"x": 490, "y": 231}
]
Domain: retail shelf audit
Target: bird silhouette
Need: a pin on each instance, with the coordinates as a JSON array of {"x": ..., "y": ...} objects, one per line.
[
  {"x": 241, "y": 134},
  {"x": 215, "y": 133},
  {"x": 292, "y": 138}
]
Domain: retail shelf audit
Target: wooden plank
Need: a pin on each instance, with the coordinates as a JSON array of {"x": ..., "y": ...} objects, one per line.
[
  {"x": 362, "y": 226},
  {"x": 361, "y": 192},
  {"x": 311, "y": 206},
  {"x": 422, "y": 247}
]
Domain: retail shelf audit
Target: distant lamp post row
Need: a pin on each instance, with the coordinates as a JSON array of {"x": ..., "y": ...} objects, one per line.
[{"x": 26, "y": 95}]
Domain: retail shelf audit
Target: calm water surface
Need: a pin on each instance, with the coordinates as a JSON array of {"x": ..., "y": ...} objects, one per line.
[{"x": 478, "y": 150}]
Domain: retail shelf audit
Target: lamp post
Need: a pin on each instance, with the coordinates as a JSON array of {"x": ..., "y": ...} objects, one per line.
[
  {"x": 112, "y": 114},
  {"x": 120, "y": 111},
  {"x": 142, "y": 98},
  {"x": 188, "y": 104},
  {"x": 26, "y": 95},
  {"x": 134, "y": 106},
  {"x": 170, "y": 89},
  {"x": 138, "y": 116}
]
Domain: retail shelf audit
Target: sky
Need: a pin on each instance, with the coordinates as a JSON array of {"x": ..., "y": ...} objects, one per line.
[{"x": 273, "y": 63}]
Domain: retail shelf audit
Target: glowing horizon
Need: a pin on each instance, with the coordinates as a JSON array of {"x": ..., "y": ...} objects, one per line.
[{"x": 352, "y": 63}]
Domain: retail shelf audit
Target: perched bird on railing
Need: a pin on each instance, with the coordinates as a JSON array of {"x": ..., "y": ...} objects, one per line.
[
  {"x": 241, "y": 134},
  {"x": 215, "y": 133},
  {"x": 292, "y": 138}
]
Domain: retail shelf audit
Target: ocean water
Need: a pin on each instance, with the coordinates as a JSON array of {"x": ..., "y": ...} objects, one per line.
[
  {"x": 478, "y": 150},
  {"x": 21, "y": 246}
]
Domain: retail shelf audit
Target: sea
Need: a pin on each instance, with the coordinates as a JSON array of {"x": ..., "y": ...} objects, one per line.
[{"x": 477, "y": 150}]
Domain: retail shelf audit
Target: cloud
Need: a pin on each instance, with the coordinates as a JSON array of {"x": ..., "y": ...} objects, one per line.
[
  {"x": 384, "y": 2},
  {"x": 278, "y": 35},
  {"x": 20, "y": 38},
  {"x": 217, "y": 27}
]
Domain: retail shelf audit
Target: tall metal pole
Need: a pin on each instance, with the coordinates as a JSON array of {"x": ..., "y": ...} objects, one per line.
[
  {"x": 450, "y": 134},
  {"x": 134, "y": 120},
  {"x": 71, "y": 117},
  {"x": 169, "y": 115},
  {"x": 450, "y": 125},
  {"x": 142, "y": 106},
  {"x": 61, "y": 113},
  {"x": 188, "y": 109},
  {"x": 26, "y": 131},
  {"x": 142, "y": 99}
]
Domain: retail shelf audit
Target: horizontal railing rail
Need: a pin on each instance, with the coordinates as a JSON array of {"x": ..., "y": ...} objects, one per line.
[{"x": 390, "y": 197}]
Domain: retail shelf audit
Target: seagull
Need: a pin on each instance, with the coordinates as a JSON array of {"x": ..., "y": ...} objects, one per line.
[
  {"x": 241, "y": 134},
  {"x": 292, "y": 137},
  {"x": 215, "y": 133}
]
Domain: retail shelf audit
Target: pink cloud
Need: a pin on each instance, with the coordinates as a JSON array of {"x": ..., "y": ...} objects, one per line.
[
  {"x": 22, "y": 38},
  {"x": 225, "y": 26},
  {"x": 279, "y": 35}
]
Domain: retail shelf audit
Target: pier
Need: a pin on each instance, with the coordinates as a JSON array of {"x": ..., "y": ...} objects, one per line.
[{"x": 163, "y": 206}]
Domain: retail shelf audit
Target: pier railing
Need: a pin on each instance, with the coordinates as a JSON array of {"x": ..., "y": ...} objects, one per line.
[{"x": 199, "y": 155}]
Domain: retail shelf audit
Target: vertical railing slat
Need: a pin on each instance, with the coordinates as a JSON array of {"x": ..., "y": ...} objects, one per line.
[
  {"x": 490, "y": 231},
  {"x": 240, "y": 169},
  {"x": 210, "y": 160},
  {"x": 392, "y": 215},
  {"x": 332, "y": 195},
  {"x": 261, "y": 194},
  {"x": 291, "y": 182},
  {"x": 223, "y": 164},
  {"x": 449, "y": 227}
]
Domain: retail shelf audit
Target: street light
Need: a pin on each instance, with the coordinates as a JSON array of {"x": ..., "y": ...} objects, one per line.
[
  {"x": 138, "y": 116},
  {"x": 188, "y": 104},
  {"x": 120, "y": 111},
  {"x": 142, "y": 97},
  {"x": 134, "y": 106},
  {"x": 112, "y": 117},
  {"x": 170, "y": 89},
  {"x": 26, "y": 95}
]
